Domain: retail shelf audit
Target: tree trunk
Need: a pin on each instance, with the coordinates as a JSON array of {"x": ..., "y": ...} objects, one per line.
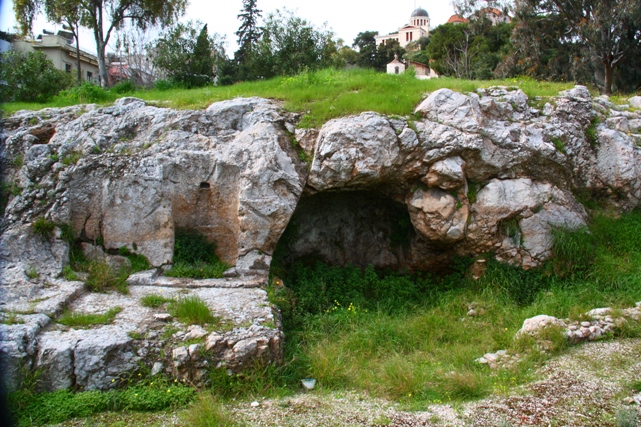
[
  {"x": 608, "y": 78},
  {"x": 78, "y": 56}
]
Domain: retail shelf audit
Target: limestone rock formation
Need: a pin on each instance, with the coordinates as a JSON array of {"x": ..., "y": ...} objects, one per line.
[{"x": 478, "y": 173}]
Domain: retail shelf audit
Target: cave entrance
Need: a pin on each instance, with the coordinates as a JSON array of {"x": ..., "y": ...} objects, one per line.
[{"x": 358, "y": 228}]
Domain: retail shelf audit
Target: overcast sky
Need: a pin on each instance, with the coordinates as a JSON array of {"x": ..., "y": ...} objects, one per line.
[{"x": 345, "y": 17}]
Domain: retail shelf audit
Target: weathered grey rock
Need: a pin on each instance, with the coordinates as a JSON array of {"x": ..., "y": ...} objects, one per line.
[
  {"x": 454, "y": 109},
  {"x": 448, "y": 174},
  {"x": 437, "y": 215},
  {"x": 500, "y": 177},
  {"x": 635, "y": 102},
  {"x": 18, "y": 347},
  {"x": 534, "y": 325}
]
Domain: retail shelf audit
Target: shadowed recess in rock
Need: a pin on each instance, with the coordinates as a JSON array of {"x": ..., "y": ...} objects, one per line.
[{"x": 352, "y": 227}]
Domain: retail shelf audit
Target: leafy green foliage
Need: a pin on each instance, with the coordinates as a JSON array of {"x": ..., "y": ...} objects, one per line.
[
  {"x": 468, "y": 50},
  {"x": 85, "y": 320},
  {"x": 372, "y": 56},
  {"x": 86, "y": 93},
  {"x": 195, "y": 257},
  {"x": 187, "y": 56},
  {"x": 43, "y": 227},
  {"x": 138, "y": 262},
  {"x": 192, "y": 311},
  {"x": 123, "y": 87},
  {"x": 248, "y": 33},
  {"x": 290, "y": 45},
  {"x": 29, "y": 408},
  {"x": 30, "y": 77}
]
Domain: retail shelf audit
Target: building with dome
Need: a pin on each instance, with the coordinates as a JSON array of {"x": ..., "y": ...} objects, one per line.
[{"x": 418, "y": 26}]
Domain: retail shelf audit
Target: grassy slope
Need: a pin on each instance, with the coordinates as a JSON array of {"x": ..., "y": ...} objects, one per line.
[{"x": 321, "y": 95}]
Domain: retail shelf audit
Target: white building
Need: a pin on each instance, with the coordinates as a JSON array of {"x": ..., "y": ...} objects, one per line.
[
  {"x": 419, "y": 26},
  {"x": 60, "y": 49}
]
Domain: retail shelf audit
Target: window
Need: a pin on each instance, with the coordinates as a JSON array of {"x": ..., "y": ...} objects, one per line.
[
  {"x": 68, "y": 68},
  {"x": 89, "y": 75}
]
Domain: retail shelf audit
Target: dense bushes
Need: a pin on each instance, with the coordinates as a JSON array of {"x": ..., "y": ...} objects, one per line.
[{"x": 30, "y": 77}]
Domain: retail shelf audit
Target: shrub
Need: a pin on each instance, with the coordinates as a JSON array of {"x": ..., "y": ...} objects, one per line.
[
  {"x": 30, "y": 77},
  {"x": 123, "y": 87},
  {"x": 163, "y": 85},
  {"x": 85, "y": 93}
]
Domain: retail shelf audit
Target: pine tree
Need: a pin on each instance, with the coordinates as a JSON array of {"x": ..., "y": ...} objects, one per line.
[
  {"x": 248, "y": 33},
  {"x": 202, "y": 60}
]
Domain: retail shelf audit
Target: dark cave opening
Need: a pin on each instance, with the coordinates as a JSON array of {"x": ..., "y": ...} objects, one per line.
[{"x": 359, "y": 228}]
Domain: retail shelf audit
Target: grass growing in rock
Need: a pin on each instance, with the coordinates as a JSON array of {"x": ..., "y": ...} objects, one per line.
[
  {"x": 43, "y": 227},
  {"x": 195, "y": 257},
  {"x": 103, "y": 278},
  {"x": 192, "y": 311},
  {"x": 154, "y": 301},
  {"x": 86, "y": 320}
]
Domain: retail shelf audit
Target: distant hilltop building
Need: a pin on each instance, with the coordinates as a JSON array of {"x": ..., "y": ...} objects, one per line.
[
  {"x": 493, "y": 14},
  {"x": 419, "y": 26}
]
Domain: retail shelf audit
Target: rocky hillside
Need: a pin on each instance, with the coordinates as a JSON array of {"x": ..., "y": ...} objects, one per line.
[{"x": 466, "y": 175}]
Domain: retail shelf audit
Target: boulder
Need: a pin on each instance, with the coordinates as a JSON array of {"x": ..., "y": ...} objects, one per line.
[{"x": 477, "y": 173}]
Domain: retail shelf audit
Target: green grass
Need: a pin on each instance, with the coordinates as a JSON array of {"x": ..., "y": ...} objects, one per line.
[
  {"x": 138, "y": 262},
  {"x": 34, "y": 409},
  {"x": 409, "y": 338},
  {"x": 43, "y": 227},
  {"x": 195, "y": 257},
  {"x": 207, "y": 411},
  {"x": 85, "y": 320},
  {"x": 154, "y": 301},
  {"x": 192, "y": 311},
  {"x": 103, "y": 278},
  {"x": 322, "y": 95}
]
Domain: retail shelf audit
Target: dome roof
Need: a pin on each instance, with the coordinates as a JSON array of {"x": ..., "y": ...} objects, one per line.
[{"x": 420, "y": 12}]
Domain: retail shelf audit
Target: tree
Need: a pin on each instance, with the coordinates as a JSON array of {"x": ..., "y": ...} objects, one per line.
[
  {"x": 248, "y": 33},
  {"x": 611, "y": 29},
  {"x": 30, "y": 77},
  {"x": 365, "y": 43},
  {"x": 386, "y": 53},
  {"x": 188, "y": 56},
  {"x": 289, "y": 45},
  {"x": 104, "y": 17}
]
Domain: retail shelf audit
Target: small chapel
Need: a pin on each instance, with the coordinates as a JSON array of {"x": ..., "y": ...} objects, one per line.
[{"x": 419, "y": 26}]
